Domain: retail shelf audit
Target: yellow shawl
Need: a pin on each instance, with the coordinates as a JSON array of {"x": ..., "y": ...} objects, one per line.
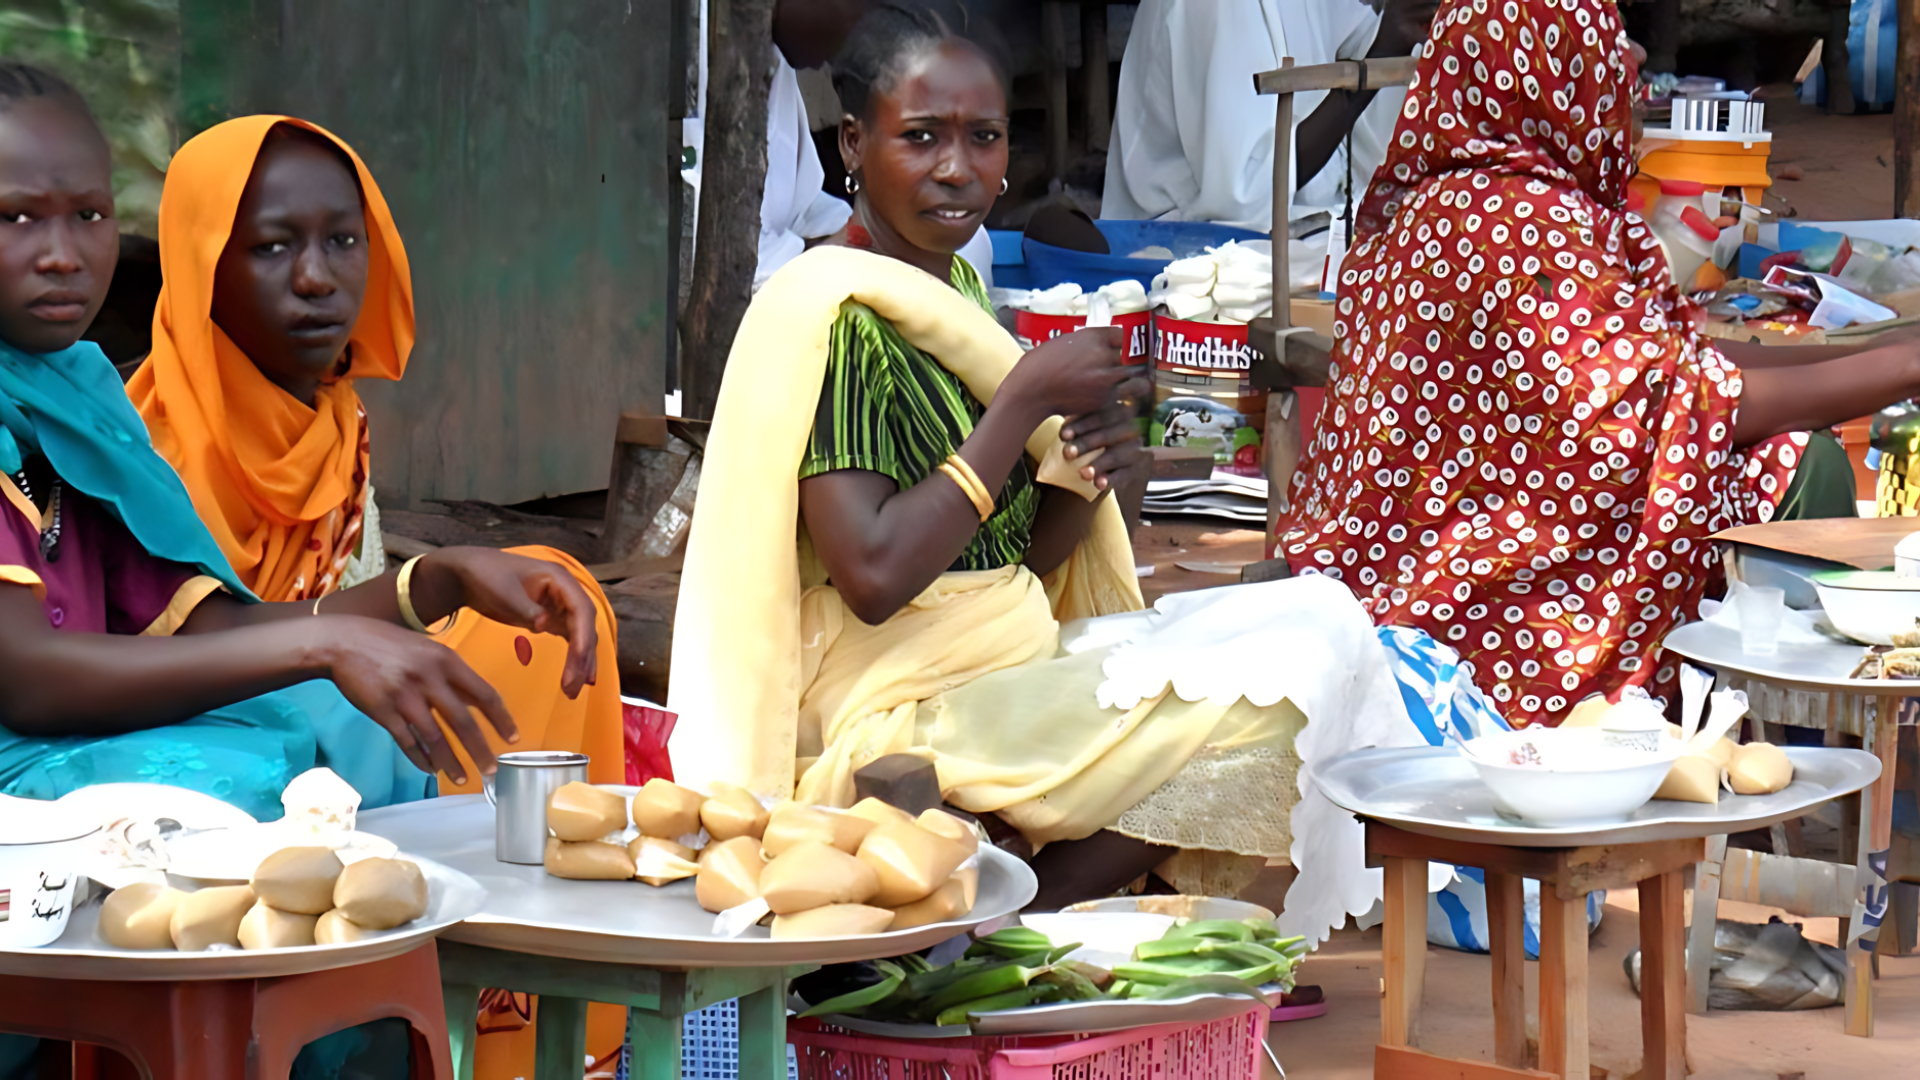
[{"x": 738, "y": 674}]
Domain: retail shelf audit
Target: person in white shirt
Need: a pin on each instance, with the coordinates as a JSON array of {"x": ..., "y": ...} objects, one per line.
[
  {"x": 1193, "y": 141},
  {"x": 795, "y": 212}
]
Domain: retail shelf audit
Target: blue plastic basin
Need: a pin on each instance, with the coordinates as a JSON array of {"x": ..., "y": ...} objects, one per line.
[{"x": 1048, "y": 266}]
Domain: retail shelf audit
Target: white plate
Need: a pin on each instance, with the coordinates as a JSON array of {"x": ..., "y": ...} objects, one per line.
[
  {"x": 80, "y": 952},
  {"x": 1107, "y": 937},
  {"x": 1434, "y": 791},
  {"x": 627, "y": 922},
  {"x": 229, "y": 856}
]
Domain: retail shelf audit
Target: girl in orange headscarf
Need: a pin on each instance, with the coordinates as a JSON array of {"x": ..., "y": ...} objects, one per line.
[{"x": 285, "y": 283}]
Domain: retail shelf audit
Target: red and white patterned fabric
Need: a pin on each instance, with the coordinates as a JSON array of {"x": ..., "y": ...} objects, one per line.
[{"x": 1525, "y": 442}]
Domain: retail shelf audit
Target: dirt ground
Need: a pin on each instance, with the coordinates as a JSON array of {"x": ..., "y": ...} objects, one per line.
[{"x": 1457, "y": 1022}]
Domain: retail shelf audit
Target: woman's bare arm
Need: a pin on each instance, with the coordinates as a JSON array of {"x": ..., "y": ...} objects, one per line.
[
  {"x": 882, "y": 546},
  {"x": 1809, "y": 397}
]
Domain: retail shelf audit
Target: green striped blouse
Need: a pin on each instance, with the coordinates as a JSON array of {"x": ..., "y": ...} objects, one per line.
[{"x": 889, "y": 408}]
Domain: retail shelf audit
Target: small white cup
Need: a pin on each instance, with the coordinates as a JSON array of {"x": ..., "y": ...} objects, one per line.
[
  {"x": 1761, "y": 609},
  {"x": 36, "y": 891}
]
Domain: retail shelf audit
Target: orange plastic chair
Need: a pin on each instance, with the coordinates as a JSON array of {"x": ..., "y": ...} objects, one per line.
[{"x": 232, "y": 1029}]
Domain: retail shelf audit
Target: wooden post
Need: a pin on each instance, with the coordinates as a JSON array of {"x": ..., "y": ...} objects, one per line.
[
  {"x": 1093, "y": 69},
  {"x": 1053, "y": 52},
  {"x": 1403, "y": 950},
  {"x": 1663, "y": 979},
  {"x": 733, "y": 178},
  {"x": 1906, "y": 113},
  {"x": 1563, "y": 984},
  {"x": 1506, "y": 931}
]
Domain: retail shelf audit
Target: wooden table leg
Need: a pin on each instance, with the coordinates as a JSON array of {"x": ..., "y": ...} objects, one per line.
[
  {"x": 462, "y": 1002},
  {"x": 1506, "y": 930},
  {"x": 1876, "y": 836},
  {"x": 560, "y": 1038},
  {"x": 1663, "y": 1017},
  {"x": 656, "y": 1045},
  {"x": 763, "y": 1032},
  {"x": 1563, "y": 985},
  {"x": 1706, "y": 912},
  {"x": 1403, "y": 950}
]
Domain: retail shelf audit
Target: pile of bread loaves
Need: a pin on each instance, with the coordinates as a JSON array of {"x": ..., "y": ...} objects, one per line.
[
  {"x": 1745, "y": 769},
  {"x": 820, "y": 872},
  {"x": 298, "y": 896}
]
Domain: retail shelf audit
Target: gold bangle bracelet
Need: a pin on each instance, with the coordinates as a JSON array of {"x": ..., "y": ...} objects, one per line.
[
  {"x": 404, "y": 593},
  {"x": 978, "y": 498},
  {"x": 976, "y": 488}
]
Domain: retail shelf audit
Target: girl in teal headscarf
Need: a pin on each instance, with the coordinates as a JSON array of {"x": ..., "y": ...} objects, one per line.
[{"x": 128, "y": 649}]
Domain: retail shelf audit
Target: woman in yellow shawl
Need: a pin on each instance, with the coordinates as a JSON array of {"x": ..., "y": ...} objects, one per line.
[
  {"x": 947, "y": 527},
  {"x": 285, "y": 281}
]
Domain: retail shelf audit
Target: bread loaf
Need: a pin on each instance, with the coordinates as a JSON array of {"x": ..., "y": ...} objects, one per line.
[
  {"x": 380, "y": 894},
  {"x": 580, "y": 812},
  {"x": 665, "y": 809},
  {"x": 834, "y": 920},
  {"x": 811, "y": 875},
  {"x": 729, "y": 874},
  {"x": 267, "y": 927},
  {"x": 733, "y": 812},
  {"x": 210, "y": 917},
  {"x": 140, "y": 916},
  {"x": 588, "y": 860},
  {"x": 792, "y": 825},
  {"x": 334, "y": 928},
  {"x": 298, "y": 879},
  {"x": 909, "y": 861}
]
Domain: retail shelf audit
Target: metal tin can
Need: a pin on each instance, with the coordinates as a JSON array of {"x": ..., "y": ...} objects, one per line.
[{"x": 519, "y": 792}]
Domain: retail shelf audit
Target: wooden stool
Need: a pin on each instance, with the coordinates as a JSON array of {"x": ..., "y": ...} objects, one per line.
[
  {"x": 1566, "y": 876},
  {"x": 233, "y": 1029}
]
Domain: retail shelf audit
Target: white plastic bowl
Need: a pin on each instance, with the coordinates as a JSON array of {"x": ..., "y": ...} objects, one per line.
[
  {"x": 1581, "y": 781},
  {"x": 1868, "y": 605}
]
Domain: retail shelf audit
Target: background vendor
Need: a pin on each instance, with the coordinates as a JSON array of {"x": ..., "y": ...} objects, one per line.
[{"x": 1193, "y": 141}]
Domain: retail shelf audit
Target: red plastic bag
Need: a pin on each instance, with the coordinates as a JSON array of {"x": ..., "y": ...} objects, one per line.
[{"x": 647, "y": 729}]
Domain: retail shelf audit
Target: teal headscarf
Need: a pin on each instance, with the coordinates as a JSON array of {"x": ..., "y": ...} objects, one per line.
[{"x": 70, "y": 407}]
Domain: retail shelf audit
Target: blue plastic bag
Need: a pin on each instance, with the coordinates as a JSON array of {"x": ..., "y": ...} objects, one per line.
[{"x": 1872, "y": 38}]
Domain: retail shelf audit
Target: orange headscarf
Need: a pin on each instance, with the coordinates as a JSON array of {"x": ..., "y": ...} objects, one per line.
[{"x": 281, "y": 484}]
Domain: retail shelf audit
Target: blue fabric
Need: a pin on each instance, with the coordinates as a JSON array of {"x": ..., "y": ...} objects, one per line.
[
  {"x": 71, "y": 407},
  {"x": 1873, "y": 34},
  {"x": 1440, "y": 695}
]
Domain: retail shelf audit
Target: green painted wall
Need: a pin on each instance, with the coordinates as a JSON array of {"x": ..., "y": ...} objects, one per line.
[
  {"x": 525, "y": 150},
  {"x": 124, "y": 55}
]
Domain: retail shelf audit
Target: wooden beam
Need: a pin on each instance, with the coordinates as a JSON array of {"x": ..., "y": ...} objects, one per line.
[
  {"x": 1663, "y": 978},
  {"x": 733, "y": 179},
  {"x": 1053, "y": 53},
  {"x": 1401, "y": 1063},
  {"x": 1506, "y": 931},
  {"x": 1339, "y": 75},
  {"x": 1093, "y": 72},
  {"x": 1403, "y": 950},
  {"x": 641, "y": 430},
  {"x": 1906, "y": 113}
]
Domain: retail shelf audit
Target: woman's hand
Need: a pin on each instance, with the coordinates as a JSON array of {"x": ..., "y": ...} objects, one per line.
[
  {"x": 401, "y": 679},
  {"x": 1071, "y": 375},
  {"x": 532, "y": 594},
  {"x": 1115, "y": 431}
]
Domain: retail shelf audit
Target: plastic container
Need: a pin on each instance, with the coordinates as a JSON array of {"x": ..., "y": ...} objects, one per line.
[
  {"x": 1203, "y": 394},
  {"x": 1048, "y": 266},
  {"x": 1684, "y": 230},
  {"x": 709, "y": 1046},
  {"x": 1030, "y": 329},
  {"x": 1229, "y": 1049}
]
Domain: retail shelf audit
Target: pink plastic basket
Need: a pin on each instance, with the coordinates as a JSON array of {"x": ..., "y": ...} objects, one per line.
[{"x": 1228, "y": 1049}]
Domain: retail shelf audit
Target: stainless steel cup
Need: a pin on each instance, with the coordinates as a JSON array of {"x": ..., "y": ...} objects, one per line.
[{"x": 519, "y": 792}]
